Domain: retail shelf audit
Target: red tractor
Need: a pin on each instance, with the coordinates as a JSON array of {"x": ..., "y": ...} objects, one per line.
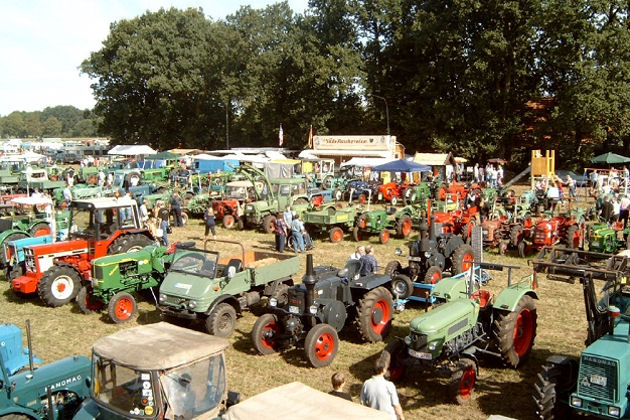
[
  {"x": 392, "y": 192},
  {"x": 459, "y": 222},
  {"x": 549, "y": 232},
  {"x": 502, "y": 232},
  {"x": 98, "y": 227},
  {"x": 452, "y": 192},
  {"x": 229, "y": 208}
]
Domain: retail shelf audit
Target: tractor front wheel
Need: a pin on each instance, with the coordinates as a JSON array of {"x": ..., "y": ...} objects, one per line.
[
  {"x": 383, "y": 237},
  {"x": 374, "y": 314},
  {"x": 402, "y": 286},
  {"x": 522, "y": 251},
  {"x": 321, "y": 345},
  {"x": 59, "y": 286},
  {"x": 516, "y": 331},
  {"x": 268, "y": 223},
  {"x": 336, "y": 235},
  {"x": 433, "y": 275},
  {"x": 228, "y": 221},
  {"x": 394, "y": 201},
  {"x": 87, "y": 302},
  {"x": 396, "y": 356},
  {"x": 222, "y": 320},
  {"x": 122, "y": 307},
  {"x": 462, "y": 382},
  {"x": 357, "y": 235},
  {"x": 404, "y": 225},
  {"x": 516, "y": 235},
  {"x": 264, "y": 334},
  {"x": 462, "y": 258}
]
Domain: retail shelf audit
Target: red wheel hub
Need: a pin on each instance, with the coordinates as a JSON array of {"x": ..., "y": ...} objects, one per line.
[
  {"x": 61, "y": 286},
  {"x": 324, "y": 346},
  {"x": 337, "y": 235},
  {"x": 42, "y": 231},
  {"x": 269, "y": 330},
  {"x": 523, "y": 332},
  {"x": 406, "y": 227},
  {"x": 124, "y": 307},
  {"x": 436, "y": 277},
  {"x": 380, "y": 316},
  {"x": 467, "y": 382}
]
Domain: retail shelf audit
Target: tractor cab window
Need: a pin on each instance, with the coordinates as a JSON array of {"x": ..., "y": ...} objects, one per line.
[
  {"x": 82, "y": 222},
  {"x": 194, "y": 389},
  {"x": 239, "y": 192},
  {"x": 127, "y": 219},
  {"x": 284, "y": 190},
  {"x": 127, "y": 391}
]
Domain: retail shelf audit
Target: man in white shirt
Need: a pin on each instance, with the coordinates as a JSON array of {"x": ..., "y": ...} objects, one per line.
[{"x": 381, "y": 394}]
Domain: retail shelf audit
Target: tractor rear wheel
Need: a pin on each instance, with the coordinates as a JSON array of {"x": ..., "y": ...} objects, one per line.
[
  {"x": 396, "y": 356},
  {"x": 383, "y": 237},
  {"x": 554, "y": 385},
  {"x": 462, "y": 381},
  {"x": 128, "y": 243},
  {"x": 40, "y": 229},
  {"x": 522, "y": 252},
  {"x": 402, "y": 286},
  {"x": 374, "y": 314},
  {"x": 59, "y": 285},
  {"x": 515, "y": 331},
  {"x": 336, "y": 235},
  {"x": 357, "y": 235},
  {"x": 462, "y": 258},
  {"x": 268, "y": 223},
  {"x": 404, "y": 225},
  {"x": 264, "y": 334},
  {"x": 433, "y": 275},
  {"x": 87, "y": 302},
  {"x": 11, "y": 237},
  {"x": 392, "y": 268},
  {"x": 122, "y": 307},
  {"x": 321, "y": 345},
  {"x": 572, "y": 237},
  {"x": 228, "y": 221},
  {"x": 222, "y": 320},
  {"x": 516, "y": 233}
]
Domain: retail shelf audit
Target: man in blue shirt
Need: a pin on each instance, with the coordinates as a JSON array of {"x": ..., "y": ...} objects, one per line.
[
  {"x": 369, "y": 264},
  {"x": 297, "y": 229}
]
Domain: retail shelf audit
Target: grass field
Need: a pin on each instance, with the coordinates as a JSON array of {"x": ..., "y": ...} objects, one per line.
[{"x": 59, "y": 332}]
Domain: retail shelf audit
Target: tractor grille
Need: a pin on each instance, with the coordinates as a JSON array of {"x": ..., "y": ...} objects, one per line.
[
  {"x": 592, "y": 370},
  {"x": 418, "y": 341},
  {"x": 29, "y": 260}
]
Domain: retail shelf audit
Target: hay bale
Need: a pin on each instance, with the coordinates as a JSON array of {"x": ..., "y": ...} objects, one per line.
[{"x": 262, "y": 263}]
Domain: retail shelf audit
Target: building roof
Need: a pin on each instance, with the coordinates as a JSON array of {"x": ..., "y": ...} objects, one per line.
[{"x": 434, "y": 159}]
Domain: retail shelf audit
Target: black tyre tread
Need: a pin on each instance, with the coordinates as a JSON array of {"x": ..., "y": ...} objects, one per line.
[
  {"x": 571, "y": 230},
  {"x": 515, "y": 233},
  {"x": 455, "y": 379},
  {"x": 267, "y": 223},
  {"x": 215, "y": 324},
  {"x": 257, "y": 333},
  {"x": 399, "y": 225},
  {"x": 458, "y": 257},
  {"x": 111, "y": 307},
  {"x": 428, "y": 276},
  {"x": 81, "y": 299},
  {"x": 357, "y": 235},
  {"x": 12, "y": 237},
  {"x": 396, "y": 357},
  {"x": 311, "y": 339},
  {"x": 44, "y": 287},
  {"x": 504, "y": 331},
  {"x": 364, "y": 314},
  {"x": 392, "y": 268},
  {"x": 547, "y": 389}
]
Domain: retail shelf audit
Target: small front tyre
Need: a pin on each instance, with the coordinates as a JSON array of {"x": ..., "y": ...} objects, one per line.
[
  {"x": 222, "y": 320},
  {"x": 87, "y": 302},
  {"x": 462, "y": 381},
  {"x": 264, "y": 334},
  {"x": 321, "y": 345},
  {"x": 122, "y": 307}
]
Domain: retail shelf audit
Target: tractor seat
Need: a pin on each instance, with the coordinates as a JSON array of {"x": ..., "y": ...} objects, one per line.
[
  {"x": 236, "y": 263},
  {"x": 352, "y": 268},
  {"x": 483, "y": 296}
]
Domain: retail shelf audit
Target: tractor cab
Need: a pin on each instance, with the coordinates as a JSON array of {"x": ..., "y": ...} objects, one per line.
[{"x": 98, "y": 219}]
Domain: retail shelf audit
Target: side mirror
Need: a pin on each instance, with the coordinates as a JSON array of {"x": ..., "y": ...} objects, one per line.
[{"x": 231, "y": 272}]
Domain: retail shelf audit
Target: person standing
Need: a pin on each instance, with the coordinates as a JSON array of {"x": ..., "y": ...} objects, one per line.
[
  {"x": 624, "y": 210},
  {"x": 208, "y": 217},
  {"x": 297, "y": 229},
  {"x": 280, "y": 231},
  {"x": 338, "y": 381},
  {"x": 287, "y": 216},
  {"x": 356, "y": 255},
  {"x": 176, "y": 207},
  {"x": 379, "y": 393},
  {"x": 164, "y": 216},
  {"x": 144, "y": 211},
  {"x": 476, "y": 172},
  {"x": 606, "y": 211},
  {"x": 369, "y": 265}
]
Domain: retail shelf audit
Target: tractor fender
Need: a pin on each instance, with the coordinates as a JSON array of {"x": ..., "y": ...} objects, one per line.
[
  {"x": 370, "y": 282},
  {"x": 6, "y": 233},
  {"x": 17, "y": 411},
  {"x": 469, "y": 353},
  {"x": 451, "y": 288},
  {"x": 225, "y": 298},
  {"x": 452, "y": 245},
  {"x": 509, "y": 297}
]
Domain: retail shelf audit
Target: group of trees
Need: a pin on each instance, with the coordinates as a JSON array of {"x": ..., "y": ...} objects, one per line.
[
  {"x": 481, "y": 79},
  {"x": 58, "y": 121}
]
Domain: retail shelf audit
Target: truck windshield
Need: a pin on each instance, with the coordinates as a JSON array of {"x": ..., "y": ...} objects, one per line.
[
  {"x": 128, "y": 391},
  {"x": 233, "y": 191},
  {"x": 195, "y": 262},
  {"x": 195, "y": 389}
]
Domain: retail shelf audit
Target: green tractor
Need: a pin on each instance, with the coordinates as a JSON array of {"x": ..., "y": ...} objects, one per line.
[
  {"x": 602, "y": 238},
  {"x": 380, "y": 222},
  {"x": 597, "y": 383},
  {"x": 331, "y": 219},
  {"x": 415, "y": 194},
  {"x": 448, "y": 339},
  {"x": 115, "y": 279}
]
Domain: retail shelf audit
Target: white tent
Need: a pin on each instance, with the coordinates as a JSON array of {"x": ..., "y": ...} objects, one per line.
[
  {"x": 132, "y": 150},
  {"x": 365, "y": 162}
]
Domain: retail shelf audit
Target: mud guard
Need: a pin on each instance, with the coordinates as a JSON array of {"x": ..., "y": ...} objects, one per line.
[
  {"x": 225, "y": 298},
  {"x": 509, "y": 297},
  {"x": 370, "y": 282},
  {"x": 6, "y": 233}
]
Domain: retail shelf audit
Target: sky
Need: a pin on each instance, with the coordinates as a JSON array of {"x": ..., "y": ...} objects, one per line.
[{"x": 43, "y": 42}]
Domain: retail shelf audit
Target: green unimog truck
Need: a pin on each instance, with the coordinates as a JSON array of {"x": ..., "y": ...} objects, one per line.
[{"x": 206, "y": 285}]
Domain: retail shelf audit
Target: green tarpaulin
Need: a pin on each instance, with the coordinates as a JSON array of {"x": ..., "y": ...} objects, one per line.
[
  {"x": 163, "y": 156},
  {"x": 610, "y": 158}
]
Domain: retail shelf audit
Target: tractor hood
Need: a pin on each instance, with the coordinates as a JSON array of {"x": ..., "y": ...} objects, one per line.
[
  {"x": 447, "y": 315},
  {"x": 60, "y": 248}
]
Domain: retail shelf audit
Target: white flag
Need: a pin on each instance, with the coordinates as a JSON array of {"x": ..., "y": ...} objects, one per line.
[{"x": 280, "y": 136}]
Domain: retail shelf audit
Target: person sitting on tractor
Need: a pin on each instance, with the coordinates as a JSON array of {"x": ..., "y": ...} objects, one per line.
[{"x": 369, "y": 264}]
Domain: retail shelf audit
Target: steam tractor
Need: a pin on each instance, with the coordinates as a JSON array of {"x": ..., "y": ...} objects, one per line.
[
  {"x": 316, "y": 310},
  {"x": 98, "y": 227}
]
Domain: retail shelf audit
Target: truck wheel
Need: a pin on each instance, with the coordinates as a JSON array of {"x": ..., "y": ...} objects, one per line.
[
  {"x": 433, "y": 275},
  {"x": 264, "y": 334},
  {"x": 128, "y": 243},
  {"x": 553, "y": 386},
  {"x": 336, "y": 235},
  {"x": 228, "y": 221},
  {"x": 87, "y": 302},
  {"x": 515, "y": 331},
  {"x": 383, "y": 237},
  {"x": 404, "y": 225},
  {"x": 184, "y": 218},
  {"x": 222, "y": 320},
  {"x": 462, "y": 258},
  {"x": 357, "y": 235},
  {"x": 402, "y": 286},
  {"x": 40, "y": 229},
  {"x": 59, "y": 285},
  {"x": 375, "y": 313},
  {"x": 516, "y": 233},
  {"x": 321, "y": 345},
  {"x": 268, "y": 223},
  {"x": 396, "y": 356},
  {"x": 122, "y": 307},
  {"x": 392, "y": 268},
  {"x": 573, "y": 237},
  {"x": 462, "y": 382}
]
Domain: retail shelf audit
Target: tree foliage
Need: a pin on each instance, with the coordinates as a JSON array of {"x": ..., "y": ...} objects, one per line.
[{"x": 58, "y": 121}]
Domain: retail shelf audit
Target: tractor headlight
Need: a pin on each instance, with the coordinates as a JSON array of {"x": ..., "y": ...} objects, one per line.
[
  {"x": 249, "y": 207},
  {"x": 162, "y": 297},
  {"x": 192, "y": 304},
  {"x": 432, "y": 345},
  {"x": 313, "y": 309},
  {"x": 427, "y": 255},
  {"x": 273, "y": 302},
  {"x": 576, "y": 402},
  {"x": 614, "y": 411}
]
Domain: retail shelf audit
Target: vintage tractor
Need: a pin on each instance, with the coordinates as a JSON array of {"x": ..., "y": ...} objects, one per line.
[
  {"x": 359, "y": 191},
  {"x": 98, "y": 227},
  {"x": 312, "y": 313},
  {"x": 604, "y": 238},
  {"x": 116, "y": 278},
  {"x": 203, "y": 285},
  {"x": 433, "y": 253},
  {"x": 448, "y": 339},
  {"x": 229, "y": 209},
  {"x": 415, "y": 194},
  {"x": 460, "y": 222},
  {"x": 392, "y": 192},
  {"x": 331, "y": 219},
  {"x": 567, "y": 230},
  {"x": 597, "y": 383},
  {"x": 505, "y": 231},
  {"x": 132, "y": 380},
  {"x": 49, "y": 392},
  {"x": 380, "y": 222}
]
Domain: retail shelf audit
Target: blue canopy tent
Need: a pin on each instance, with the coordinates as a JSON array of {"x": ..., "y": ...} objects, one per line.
[{"x": 402, "y": 165}]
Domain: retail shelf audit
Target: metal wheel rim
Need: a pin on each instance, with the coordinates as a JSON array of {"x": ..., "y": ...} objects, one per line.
[{"x": 62, "y": 287}]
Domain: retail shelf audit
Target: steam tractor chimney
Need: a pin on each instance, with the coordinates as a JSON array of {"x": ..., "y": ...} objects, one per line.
[{"x": 309, "y": 281}]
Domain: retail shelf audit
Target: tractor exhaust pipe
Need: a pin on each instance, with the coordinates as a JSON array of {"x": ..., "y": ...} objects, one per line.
[
  {"x": 30, "y": 346},
  {"x": 309, "y": 281}
]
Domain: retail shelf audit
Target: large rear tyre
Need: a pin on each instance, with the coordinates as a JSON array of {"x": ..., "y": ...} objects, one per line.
[
  {"x": 40, "y": 229},
  {"x": 222, "y": 320},
  {"x": 572, "y": 237},
  {"x": 59, "y": 286},
  {"x": 522, "y": 251},
  {"x": 462, "y": 381},
  {"x": 128, "y": 243},
  {"x": 264, "y": 334},
  {"x": 396, "y": 356},
  {"x": 268, "y": 223},
  {"x": 516, "y": 331},
  {"x": 374, "y": 314},
  {"x": 554, "y": 384},
  {"x": 433, "y": 275},
  {"x": 11, "y": 237},
  {"x": 321, "y": 345},
  {"x": 87, "y": 302},
  {"x": 516, "y": 235},
  {"x": 462, "y": 258},
  {"x": 122, "y": 307}
]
